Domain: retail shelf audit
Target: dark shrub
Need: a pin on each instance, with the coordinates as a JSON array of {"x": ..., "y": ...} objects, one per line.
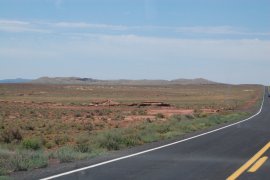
[
  {"x": 10, "y": 135},
  {"x": 160, "y": 115},
  {"x": 33, "y": 144},
  {"x": 111, "y": 141},
  {"x": 83, "y": 148},
  {"x": 61, "y": 139}
]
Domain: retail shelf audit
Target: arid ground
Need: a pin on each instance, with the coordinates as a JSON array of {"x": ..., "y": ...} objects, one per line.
[{"x": 62, "y": 123}]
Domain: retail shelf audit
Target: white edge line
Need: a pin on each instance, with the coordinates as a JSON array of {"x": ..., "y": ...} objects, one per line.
[{"x": 153, "y": 149}]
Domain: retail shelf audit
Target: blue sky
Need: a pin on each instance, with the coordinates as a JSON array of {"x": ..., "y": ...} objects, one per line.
[{"x": 221, "y": 40}]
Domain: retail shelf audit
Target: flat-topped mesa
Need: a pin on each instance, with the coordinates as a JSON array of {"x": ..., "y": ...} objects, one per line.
[
  {"x": 154, "y": 103},
  {"x": 150, "y": 103}
]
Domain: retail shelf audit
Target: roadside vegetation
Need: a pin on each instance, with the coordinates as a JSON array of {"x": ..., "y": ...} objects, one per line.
[
  {"x": 36, "y": 134},
  {"x": 30, "y": 153}
]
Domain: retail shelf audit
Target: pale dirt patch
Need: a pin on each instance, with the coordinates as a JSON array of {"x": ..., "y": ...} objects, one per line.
[
  {"x": 170, "y": 111},
  {"x": 12, "y": 117},
  {"x": 138, "y": 117}
]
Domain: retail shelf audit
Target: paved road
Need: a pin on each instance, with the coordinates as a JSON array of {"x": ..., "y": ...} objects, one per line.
[{"x": 217, "y": 155}]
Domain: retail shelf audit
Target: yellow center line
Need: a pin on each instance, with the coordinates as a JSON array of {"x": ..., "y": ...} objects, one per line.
[
  {"x": 258, "y": 164},
  {"x": 244, "y": 167}
]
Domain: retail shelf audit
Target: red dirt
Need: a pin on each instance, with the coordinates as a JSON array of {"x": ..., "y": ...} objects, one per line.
[
  {"x": 100, "y": 121},
  {"x": 210, "y": 111},
  {"x": 251, "y": 103}
]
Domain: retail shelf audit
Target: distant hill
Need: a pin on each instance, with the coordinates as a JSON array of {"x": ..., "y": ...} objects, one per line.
[
  {"x": 18, "y": 80},
  {"x": 64, "y": 80},
  {"x": 193, "y": 81},
  {"x": 88, "y": 81}
]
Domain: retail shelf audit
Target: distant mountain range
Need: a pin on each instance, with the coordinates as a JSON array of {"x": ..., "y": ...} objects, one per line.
[
  {"x": 89, "y": 81},
  {"x": 18, "y": 80},
  {"x": 77, "y": 80}
]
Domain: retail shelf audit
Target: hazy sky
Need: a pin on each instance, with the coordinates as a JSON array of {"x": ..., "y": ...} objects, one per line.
[{"x": 221, "y": 40}]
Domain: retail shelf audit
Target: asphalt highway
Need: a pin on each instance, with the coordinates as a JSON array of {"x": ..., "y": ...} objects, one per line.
[{"x": 240, "y": 151}]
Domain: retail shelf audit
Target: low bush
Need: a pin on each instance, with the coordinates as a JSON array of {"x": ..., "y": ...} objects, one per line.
[
  {"x": 10, "y": 135},
  {"x": 88, "y": 127},
  {"x": 160, "y": 116},
  {"x": 83, "y": 148},
  {"x": 103, "y": 112},
  {"x": 61, "y": 139},
  {"x": 33, "y": 144},
  {"x": 117, "y": 139},
  {"x": 78, "y": 115},
  {"x": 69, "y": 154},
  {"x": 29, "y": 127},
  {"x": 202, "y": 115},
  {"x": 149, "y": 132},
  {"x": 132, "y": 140},
  {"x": 163, "y": 129},
  {"x": 5, "y": 156},
  {"x": 189, "y": 116},
  {"x": 118, "y": 117},
  {"x": 25, "y": 160},
  {"x": 140, "y": 112},
  {"x": 65, "y": 154},
  {"x": 89, "y": 116},
  {"x": 49, "y": 145},
  {"x": 110, "y": 140},
  {"x": 83, "y": 145},
  {"x": 176, "y": 117}
]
